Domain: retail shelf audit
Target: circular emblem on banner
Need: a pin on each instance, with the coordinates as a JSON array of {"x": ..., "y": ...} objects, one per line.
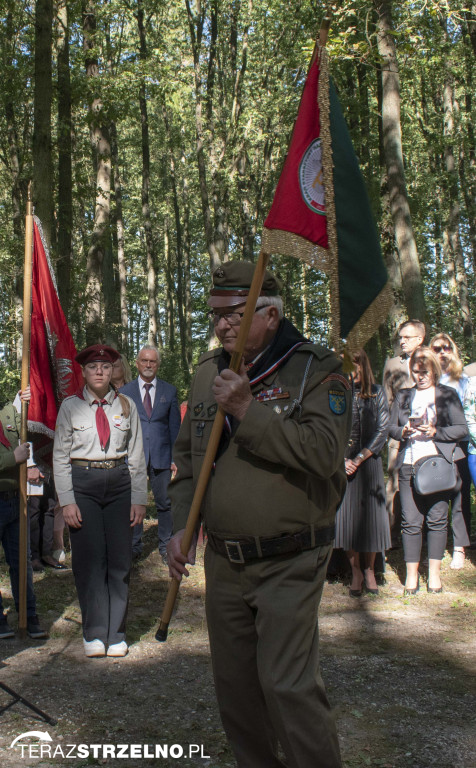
[{"x": 311, "y": 179}]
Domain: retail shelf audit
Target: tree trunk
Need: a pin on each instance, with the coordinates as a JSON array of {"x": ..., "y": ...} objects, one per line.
[
  {"x": 398, "y": 200},
  {"x": 169, "y": 271},
  {"x": 65, "y": 176},
  {"x": 196, "y": 24},
  {"x": 467, "y": 165},
  {"x": 42, "y": 158},
  {"x": 154, "y": 334},
  {"x": 387, "y": 229},
  {"x": 101, "y": 149},
  {"x": 121, "y": 258},
  {"x": 179, "y": 240},
  {"x": 187, "y": 287},
  {"x": 451, "y": 238}
]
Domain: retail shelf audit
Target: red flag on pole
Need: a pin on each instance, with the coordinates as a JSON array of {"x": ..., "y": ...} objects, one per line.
[
  {"x": 299, "y": 200},
  {"x": 54, "y": 374},
  {"x": 321, "y": 212}
]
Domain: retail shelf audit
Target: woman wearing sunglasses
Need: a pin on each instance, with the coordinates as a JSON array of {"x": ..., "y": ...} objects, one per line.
[{"x": 452, "y": 376}]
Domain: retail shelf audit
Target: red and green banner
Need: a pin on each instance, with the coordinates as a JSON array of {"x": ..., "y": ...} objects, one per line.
[
  {"x": 54, "y": 374},
  {"x": 321, "y": 212}
]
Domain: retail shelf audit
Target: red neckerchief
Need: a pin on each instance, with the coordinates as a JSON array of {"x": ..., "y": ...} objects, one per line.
[{"x": 102, "y": 423}]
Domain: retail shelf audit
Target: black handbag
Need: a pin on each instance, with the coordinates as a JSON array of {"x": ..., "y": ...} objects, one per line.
[{"x": 434, "y": 475}]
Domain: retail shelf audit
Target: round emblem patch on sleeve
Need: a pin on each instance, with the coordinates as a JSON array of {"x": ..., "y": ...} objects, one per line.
[{"x": 337, "y": 402}]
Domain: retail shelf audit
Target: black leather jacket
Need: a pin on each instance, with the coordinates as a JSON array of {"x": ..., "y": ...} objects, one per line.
[
  {"x": 370, "y": 417},
  {"x": 450, "y": 422}
]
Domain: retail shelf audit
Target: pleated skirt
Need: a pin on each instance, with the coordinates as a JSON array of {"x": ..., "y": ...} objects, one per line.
[{"x": 362, "y": 520}]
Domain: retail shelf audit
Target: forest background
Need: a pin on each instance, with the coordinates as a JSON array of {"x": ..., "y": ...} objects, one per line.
[{"x": 154, "y": 132}]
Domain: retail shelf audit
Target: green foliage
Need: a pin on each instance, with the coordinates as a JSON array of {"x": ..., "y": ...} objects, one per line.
[{"x": 227, "y": 83}]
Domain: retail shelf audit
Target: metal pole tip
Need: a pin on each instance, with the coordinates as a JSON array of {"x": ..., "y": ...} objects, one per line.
[{"x": 162, "y": 632}]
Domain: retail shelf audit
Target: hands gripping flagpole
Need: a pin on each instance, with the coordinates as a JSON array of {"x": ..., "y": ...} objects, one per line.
[{"x": 213, "y": 442}]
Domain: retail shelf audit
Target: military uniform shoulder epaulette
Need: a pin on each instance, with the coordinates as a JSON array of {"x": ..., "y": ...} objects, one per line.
[
  {"x": 210, "y": 355},
  {"x": 324, "y": 353},
  {"x": 70, "y": 397},
  {"x": 316, "y": 349}
]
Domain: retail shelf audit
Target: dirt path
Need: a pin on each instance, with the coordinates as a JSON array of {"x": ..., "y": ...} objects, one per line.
[{"x": 400, "y": 673}]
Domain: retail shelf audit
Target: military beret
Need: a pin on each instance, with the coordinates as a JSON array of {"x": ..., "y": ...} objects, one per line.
[
  {"x": 232, "y": 281},
  {"x": 100, "y": 353}
]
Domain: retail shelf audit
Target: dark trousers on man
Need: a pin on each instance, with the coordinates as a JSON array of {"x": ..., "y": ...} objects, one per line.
[
  {"x": 41, "y": 515},
  {"x": 461, "y": 507},
  {"x": 101, "y": 550},
  {"x": 10, "y": 538},
  {"x": 264, "y": 641},
  {"x": 159, "y": 482}
]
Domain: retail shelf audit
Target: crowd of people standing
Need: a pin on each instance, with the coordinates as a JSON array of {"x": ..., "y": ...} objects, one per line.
[
  {"x": 427, "y": 410},
  {"x": 299, "y": 463}
]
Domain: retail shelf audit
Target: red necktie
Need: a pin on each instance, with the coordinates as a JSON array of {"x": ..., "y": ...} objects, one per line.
[
  {"x": 3, "y": 438},
  {"x": 147, "y": 400},
  {"x": 102, "y": 424}
]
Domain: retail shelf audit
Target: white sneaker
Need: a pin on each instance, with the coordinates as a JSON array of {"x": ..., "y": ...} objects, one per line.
[
  {"x": 94, "y": 648},
  {"x": 118, "y": 649},
  {"x": 59, "y": 555}
]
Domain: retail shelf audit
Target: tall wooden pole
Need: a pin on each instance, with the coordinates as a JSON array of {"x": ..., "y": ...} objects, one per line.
[
  {"x": 213, "y": 442},
  {"x": 25, "y": 379}
]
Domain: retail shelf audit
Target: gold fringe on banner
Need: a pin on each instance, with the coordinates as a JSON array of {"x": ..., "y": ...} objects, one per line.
[
  {"x": 327, "y": 260},
  {"x": 373, "y": 316}
]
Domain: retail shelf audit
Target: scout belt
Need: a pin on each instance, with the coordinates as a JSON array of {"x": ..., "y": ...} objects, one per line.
[
  {"x": 106, "y": 464},
  {"x": 241, "y": 549}
]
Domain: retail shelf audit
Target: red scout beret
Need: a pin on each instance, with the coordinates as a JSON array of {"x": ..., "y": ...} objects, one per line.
[
  {"x": 232, "y": 281},
  {"x": 99, "y": 353}
]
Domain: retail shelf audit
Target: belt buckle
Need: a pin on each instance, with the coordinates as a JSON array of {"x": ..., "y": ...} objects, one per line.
[
  {"x": 234, "y": 552},
  {"x": 109, "y": 464}
]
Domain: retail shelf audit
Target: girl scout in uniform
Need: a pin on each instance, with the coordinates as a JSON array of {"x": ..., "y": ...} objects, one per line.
[{"x": 101, "y": 481}]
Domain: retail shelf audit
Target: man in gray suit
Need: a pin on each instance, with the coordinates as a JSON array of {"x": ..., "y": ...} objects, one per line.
[
  {"x": 157, "y": 405},
  {"x": 396, "y": 376}
]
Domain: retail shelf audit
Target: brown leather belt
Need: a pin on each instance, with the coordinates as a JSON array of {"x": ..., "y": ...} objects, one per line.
[
  {"x": 106, "y": 464},
  {"x": 241, "y": 549}
]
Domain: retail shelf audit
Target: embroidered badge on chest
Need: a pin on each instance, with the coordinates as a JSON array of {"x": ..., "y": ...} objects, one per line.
[
  {"x": 212, "y": 409},
  {"x": 198, "y": 409},
  {"x": 337, "y": 402},
  {"x": 117, "y": 420},
  {"x": 277, "y": 393}
]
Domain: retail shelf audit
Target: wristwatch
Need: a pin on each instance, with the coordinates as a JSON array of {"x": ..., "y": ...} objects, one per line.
[{"x": 360, "y": 456}]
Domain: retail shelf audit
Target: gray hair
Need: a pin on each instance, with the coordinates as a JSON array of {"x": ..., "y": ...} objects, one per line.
[
  {"x": 149, "y": 348},
  {"x": 271, "y": 301}
]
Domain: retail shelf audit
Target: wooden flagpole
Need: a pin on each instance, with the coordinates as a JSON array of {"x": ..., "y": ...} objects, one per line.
[
  {"x": 25, "y": 378},
  {"x": 212, "y": 447}
]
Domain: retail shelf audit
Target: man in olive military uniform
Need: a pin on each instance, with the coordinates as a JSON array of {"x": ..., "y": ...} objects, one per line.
[
  {"x": 269, "y": 513},
  {"x": 12, "y": 454}
]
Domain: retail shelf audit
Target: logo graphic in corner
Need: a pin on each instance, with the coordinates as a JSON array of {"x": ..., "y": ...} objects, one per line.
[
  {"x": 40, "y": 735},
  {"x": 311, "y": 179},
  {"x": 337, "y": 402}
]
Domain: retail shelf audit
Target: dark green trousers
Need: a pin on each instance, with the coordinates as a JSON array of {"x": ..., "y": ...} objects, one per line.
[{"x": 262, "y": 623}]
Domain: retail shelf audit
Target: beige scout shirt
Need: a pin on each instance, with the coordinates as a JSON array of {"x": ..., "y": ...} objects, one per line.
[{"x": 76, "y": 437}]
